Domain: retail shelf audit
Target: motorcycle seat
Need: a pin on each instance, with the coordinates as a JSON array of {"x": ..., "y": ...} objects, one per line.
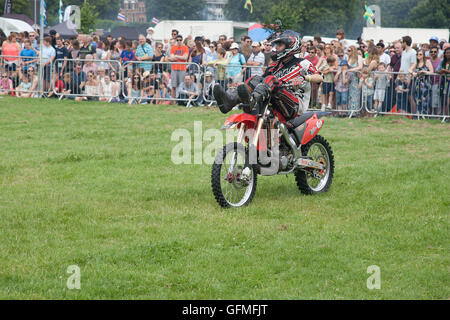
[{"x": 300, "y": 119}]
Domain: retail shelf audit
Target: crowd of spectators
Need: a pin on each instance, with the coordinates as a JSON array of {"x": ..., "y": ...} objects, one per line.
[{"x": 368, "y": 76}]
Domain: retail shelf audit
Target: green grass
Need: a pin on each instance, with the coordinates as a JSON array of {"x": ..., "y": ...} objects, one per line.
[{"x": 93, "y": 185}]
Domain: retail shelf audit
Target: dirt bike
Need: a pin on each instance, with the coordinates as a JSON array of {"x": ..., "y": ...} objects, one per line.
[{"x": 267, "y": 145}]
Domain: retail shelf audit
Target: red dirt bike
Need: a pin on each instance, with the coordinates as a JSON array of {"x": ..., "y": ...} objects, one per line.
[{"x": 267, "y": 145}]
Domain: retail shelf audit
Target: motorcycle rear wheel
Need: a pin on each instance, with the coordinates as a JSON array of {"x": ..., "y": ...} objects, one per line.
[
  {"x": 312, "y": 181},
  {"x": 228, "y": 188}
]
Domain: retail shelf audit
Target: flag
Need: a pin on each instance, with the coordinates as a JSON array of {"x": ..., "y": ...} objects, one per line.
[
  {"x": 248, "y": 3},
  {"x": 8, "y": 7},
  {"x": 44, "y": 13},
  {"x": 368, "y": 15},
  {"x": 121, "y": 17},
  {"x": 155, "y": 21},
  {"x": 60, "y": 11}
]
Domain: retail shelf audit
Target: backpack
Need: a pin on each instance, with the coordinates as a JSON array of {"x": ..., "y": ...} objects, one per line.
[{"x": 241, "y": 56}]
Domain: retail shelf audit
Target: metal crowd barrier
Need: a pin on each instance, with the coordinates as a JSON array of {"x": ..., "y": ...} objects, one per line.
[
  {"x": 228, "y": 76},
  {"x": 22, "y": 76},
  {"x": 393, "y": 93},
  {"x": 87, "y": 79},
  {"x": 351, "y": 97},
  {"x": 161, "y": 81},
  {"x": 412, "y": 95}
]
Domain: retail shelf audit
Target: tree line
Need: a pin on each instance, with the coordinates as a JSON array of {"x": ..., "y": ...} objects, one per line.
[{"x": 322, "y": 17}]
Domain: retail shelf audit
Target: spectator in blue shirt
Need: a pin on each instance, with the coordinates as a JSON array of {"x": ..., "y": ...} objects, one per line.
[
  {"x": 126, "y": 56},
  {"x": 144, "y": 52},
  {"x": 28, "y": 53}
]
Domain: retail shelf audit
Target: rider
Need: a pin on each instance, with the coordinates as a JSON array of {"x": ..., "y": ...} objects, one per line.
[{"x": 285, "y": 69}]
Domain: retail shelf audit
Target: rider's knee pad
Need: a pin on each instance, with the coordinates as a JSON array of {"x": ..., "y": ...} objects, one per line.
[{"x": 252, "y": 82}]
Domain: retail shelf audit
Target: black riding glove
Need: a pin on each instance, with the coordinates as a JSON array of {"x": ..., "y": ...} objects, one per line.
[{"x": 261, "y": 92}]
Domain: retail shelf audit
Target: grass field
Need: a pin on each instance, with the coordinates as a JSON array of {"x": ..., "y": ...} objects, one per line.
[{"x": 93, "y": 185}]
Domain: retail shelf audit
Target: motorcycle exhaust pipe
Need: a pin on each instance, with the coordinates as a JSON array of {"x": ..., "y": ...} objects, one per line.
[{"x": 290, "y": 141}]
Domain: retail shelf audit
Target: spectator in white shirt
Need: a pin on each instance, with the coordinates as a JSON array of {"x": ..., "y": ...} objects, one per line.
[
  {"x": 48, "y": 55},
  {"x": 408, "y": 55},
  {"x": 384, "y": 58},
  {"x": 256, "y": 60}
]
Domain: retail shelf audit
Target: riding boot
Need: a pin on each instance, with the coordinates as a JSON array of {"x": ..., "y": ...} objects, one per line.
[
  {"x": 245, "y": 97},
  {"x": 225, "y": 100}
]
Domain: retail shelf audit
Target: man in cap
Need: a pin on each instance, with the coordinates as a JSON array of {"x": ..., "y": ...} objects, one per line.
[
  {"x": 256, "y": 60},
  {"x": 434, "y": 42},
  {"x": 150, "y": 32}
]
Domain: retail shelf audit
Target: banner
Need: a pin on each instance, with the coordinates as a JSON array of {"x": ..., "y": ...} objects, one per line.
[
  {"x": 8, "y": 7},
  {"x": 60, "y": 12},
  {"x": 44, "y": 13}
]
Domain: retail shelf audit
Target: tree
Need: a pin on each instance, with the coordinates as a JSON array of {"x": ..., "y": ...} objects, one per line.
[
  {"x": 430, "y": 14},
  {"x": 175, "y": 9},
  {"x": 18, "y": 6},
  {"x": 322, "y": 17},
  {"x": 88, "y": 17},
  {"x": 394, "y": 14},
  {"x": 234, "y": 10}
]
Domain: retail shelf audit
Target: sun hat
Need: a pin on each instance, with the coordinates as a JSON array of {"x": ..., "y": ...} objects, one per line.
[
  {"x": 234, "y": 45},
  {"x": 255, "y": 44}
]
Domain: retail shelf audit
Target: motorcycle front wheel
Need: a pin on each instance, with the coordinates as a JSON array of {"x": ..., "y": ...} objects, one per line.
[
  {"x": 311, "y": 181},
  {"x": 233, "y": 186}
]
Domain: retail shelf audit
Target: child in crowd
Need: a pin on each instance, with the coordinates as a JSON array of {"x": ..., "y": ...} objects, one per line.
[
  {"x": 401, "y": 89},
  {"x": 126, "y": 56},
  {"x": 328, "y": 68},
  {"x": 58, "y": 87},
  {"x": 342, "y": 80},
  {"x": 151, "y": 86},
  {"x": 165, "y": 84},
  {"x": 381, "y": 82},
  {"x": 6, "y": 84},
  {"x": 366, "y": 87},
  {"x": 23, "y": 90},
  {"x": 67, "y": 80}
]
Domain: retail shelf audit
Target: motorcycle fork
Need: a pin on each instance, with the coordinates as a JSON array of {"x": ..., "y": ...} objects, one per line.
[
  {"x": 239, "y": 141},
  {"x": 258, "y": 130},
  {"x": 241, "y": 133}
]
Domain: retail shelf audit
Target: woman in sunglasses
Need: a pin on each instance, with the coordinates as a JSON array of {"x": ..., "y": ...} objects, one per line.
[
  {"x": 91, "y": 88},
  {"x": 134, "y": 89}
]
